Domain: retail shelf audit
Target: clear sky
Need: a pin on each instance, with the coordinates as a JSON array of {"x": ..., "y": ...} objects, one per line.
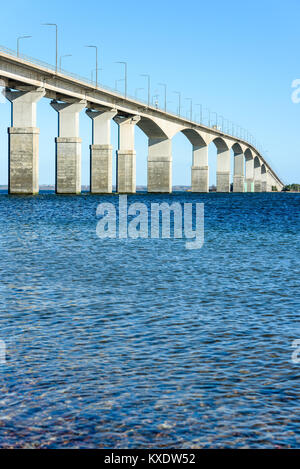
[{"x": 236, "y": 58}]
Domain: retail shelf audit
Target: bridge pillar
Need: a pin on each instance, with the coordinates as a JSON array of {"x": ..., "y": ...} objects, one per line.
[
  {"x": 200, "y": 169},
  {"x": 249, "y": 183},
  {"x": 160, "y": 165},
  {"x": 239, "y": 173},
  {"x": 23, "y": 142},
  {"x": 264, "y": 177},
  {"x": 126, "y": 155},
  {"x": 257, "y": 186},
  {"x": 101, "y": 151},
  {"x": 257, "y": 175},
  {"x": 269, "y": 181},
  {"x": 223, "y": 170},
  {"x": 68, "y": 148}
]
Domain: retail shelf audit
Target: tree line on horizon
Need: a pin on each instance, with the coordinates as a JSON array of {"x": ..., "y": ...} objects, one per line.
[{"x": 292, "y": 187}]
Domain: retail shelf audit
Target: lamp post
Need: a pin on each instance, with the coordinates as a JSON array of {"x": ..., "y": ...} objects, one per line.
[
  {"x": 148, "y": 77},
  {"x": 179, "y": 102},
  {"x": 125, "y": 76},
  {"x": 191, "y": 108},
  {"x": 92, "y": 73},
  {"x": 18, "y": 43},
  {"x": 165, "y": 87},
  {"x": 96, "y": 50},
  {"x": 61, "y": 57},
  {"x": 56, "y": 31}
]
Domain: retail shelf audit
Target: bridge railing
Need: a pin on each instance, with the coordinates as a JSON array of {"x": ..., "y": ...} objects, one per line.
[{"x": 101, "y": 86}]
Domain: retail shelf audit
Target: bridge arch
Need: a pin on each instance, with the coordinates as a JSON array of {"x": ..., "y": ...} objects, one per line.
[
  {"x": 151, "y": 128},
  {"x": 223, "y": 164},
  {"x": 248, "y": 154},
  {"x": 160, "y": 155},
  {"x": 158, "y": 147},
  {"x": 194, "y": 137},
  {"x": 237, "y": 148},
  {"x": 181, "y": 138},
  {"x": 159, "y": 161},
  {"x": 199, "y": 169}
]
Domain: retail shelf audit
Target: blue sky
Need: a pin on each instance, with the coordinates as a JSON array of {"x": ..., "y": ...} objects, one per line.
[{"x": 238, "y": 59}]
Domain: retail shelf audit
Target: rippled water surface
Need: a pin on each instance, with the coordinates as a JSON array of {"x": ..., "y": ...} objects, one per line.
[{"x": 143, "y": 343}]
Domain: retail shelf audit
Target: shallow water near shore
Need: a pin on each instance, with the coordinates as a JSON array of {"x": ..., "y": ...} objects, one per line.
[{"x": 144, "y": 343}]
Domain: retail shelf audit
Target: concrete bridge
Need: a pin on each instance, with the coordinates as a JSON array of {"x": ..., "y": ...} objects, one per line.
[{"x": 27, "y": 81}]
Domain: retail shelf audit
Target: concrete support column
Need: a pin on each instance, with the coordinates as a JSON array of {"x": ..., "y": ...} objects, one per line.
[
  {"x": 200, "y": 169},
  {"x": 159, "y": 165},
  {"x": 223, "y": 170},
  {"x": 257, "y": 177},
  {"x": 268, "y": 185},
  {"x": 23, "y": 142},
  {"x": 264, "y": 179},
  {"x": 257, "y": 186},
  {"x": 269, "y": 181},
  {"x": 101, "y": 151},
  {"x": 126, "y": 155},
  {"x": 249, "y": 183},
  {"x": 239, "y": 173},
  {"x": 68, "y": 148}
]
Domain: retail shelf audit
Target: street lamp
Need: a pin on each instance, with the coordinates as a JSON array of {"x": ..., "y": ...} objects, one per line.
[
  {"x": 148, "y": 77},
  {"x": 61, "y": 57},
  {"x": 179, "y": 101},
  {"x": 125, "y": 76},
  {"x": 96, "y": 50},
  {"x": 165, "y": 87},
  {"x": 18, "y": 43},
  {"x": 56, "y": 30}
]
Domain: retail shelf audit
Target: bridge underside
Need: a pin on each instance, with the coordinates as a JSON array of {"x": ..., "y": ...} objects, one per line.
[{"x": 26, "y": 84}]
